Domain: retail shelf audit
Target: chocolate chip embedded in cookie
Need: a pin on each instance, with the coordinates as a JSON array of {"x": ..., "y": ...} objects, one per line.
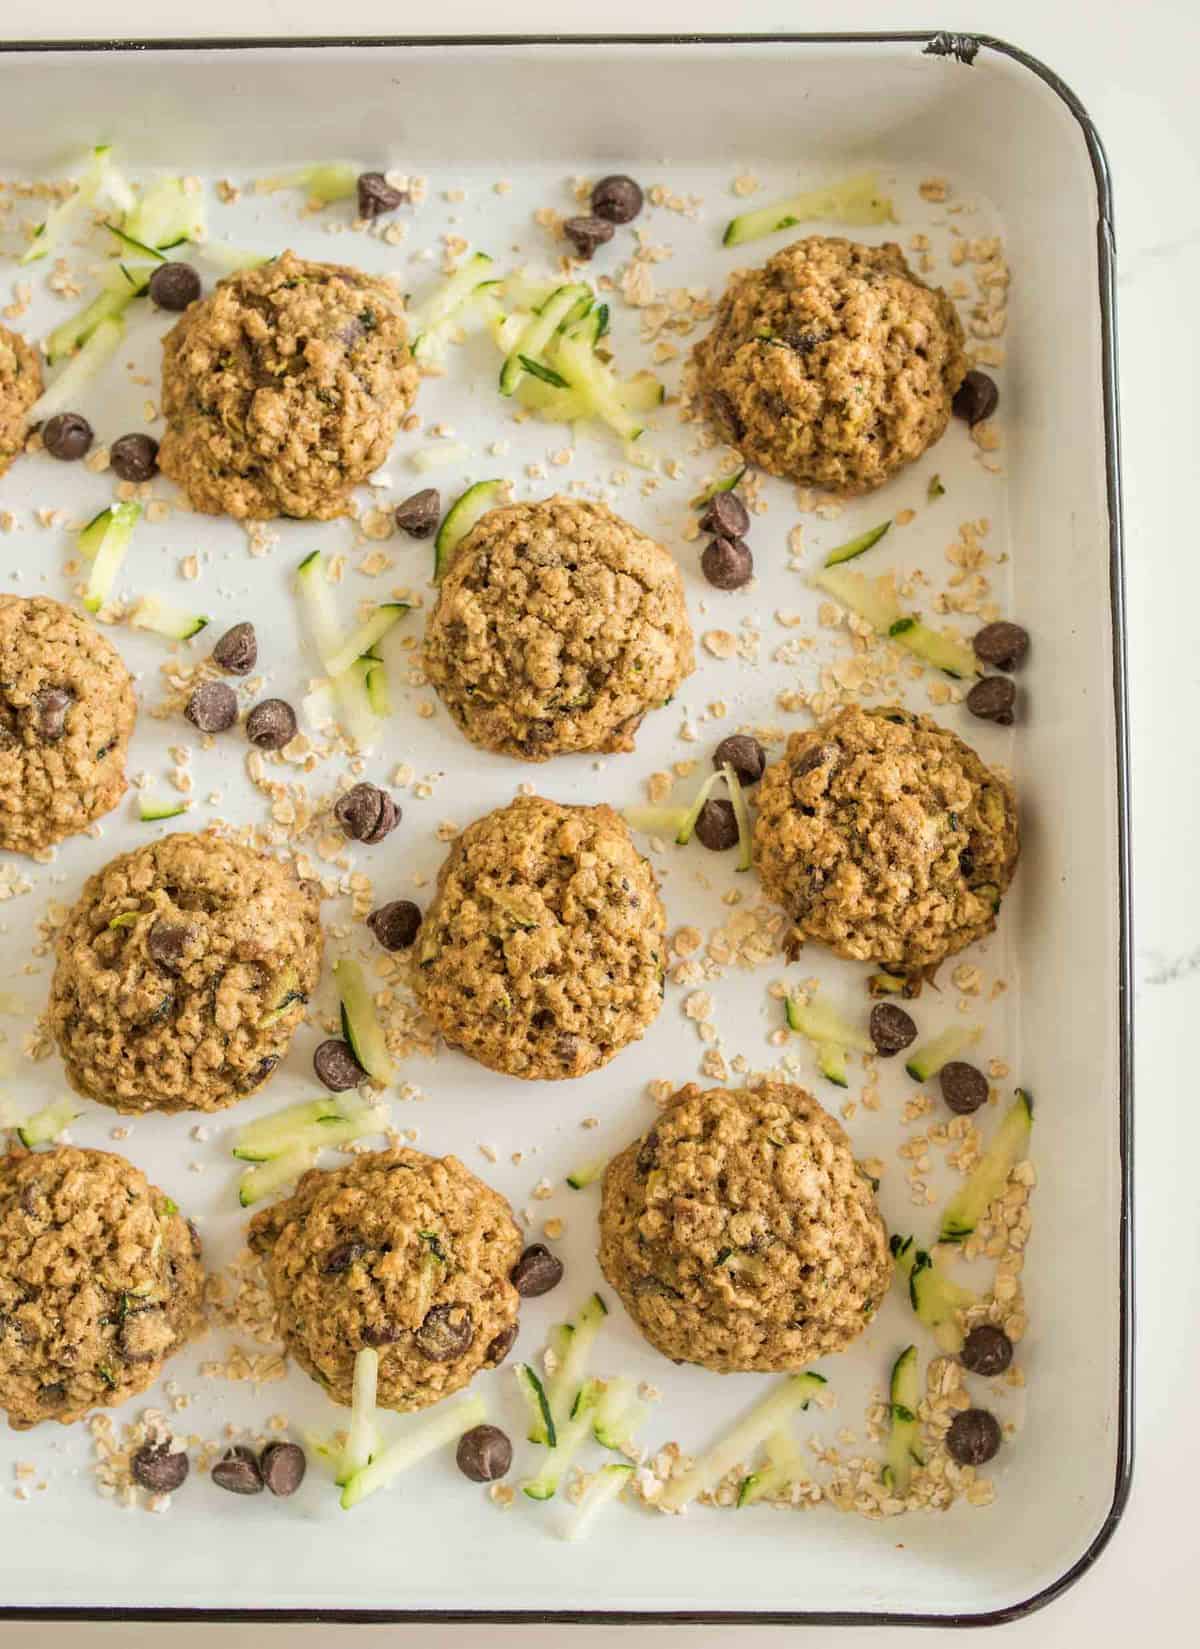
[
  {"x": 99, "y": 1285},
  {"x": 542, "y": 953},
  {"x": 556, "y": 629},
  {"x": 66, "y": 712},
  {"x": 182, "y": 974},
  {"x": 833, "y": 364},
  {"x": 404, "y": 1252}
]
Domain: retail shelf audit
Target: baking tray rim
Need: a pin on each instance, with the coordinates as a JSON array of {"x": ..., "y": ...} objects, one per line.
[{"x": 964, "y": 48}]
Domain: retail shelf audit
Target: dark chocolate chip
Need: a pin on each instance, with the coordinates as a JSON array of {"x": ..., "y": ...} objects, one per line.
[
  {"x": 484, "y": 1453},
  {"x": 727, "y": 563},
  {"x": 986, "y": 1350},
  {"x": 376, "y": 195},
  {"x": 418, "y": 515},
  {"x": 283, "y": 1466},
  {"x": 586, "y": 234},
  {"x": 336, "y": 1066},
  {"x": 67, "y": 435},
  {"x": 366, "y": 813},
  {"x": 974, "y": 1437},
  {"x": 446, "y": 1333},
  {"x": 976, "y": 398},
  {"x": 50, "y": 706},
  {"x": 213, "y": 707},
  {"x": 964, "y": 1088},
  {"x": 134, "y": 457},
  {"x": 817, "y": 755},
  {"x": 725, "y": 516},
  {"x": 891, "y": 1029},
  {"x": 993, "y": 699},
  {"x": 1002, "y": 645},
  {"x": 174, "y": 286},
  {"x": 238, "y": 1471},
  {"x": 386, "y": 1333},
  {"x": 536, "y": 1272},
  {"x": 253, "y": 1079},
  {"x": 716, "y": 825},
  {"x": 167, "y": 942},
  {"x": 744, "y": 754},
  {"x": 966, "y": 864},
  {"x": 271, "y": 724},
  {"x": 194, "y": 1239},
  {"x": 159, "y": 1468},
  {"x": 617, "y": 199},
  {"x": 647, "y": 1157},
  {"x": 395, "y": 924},
  {"x": 237, "y": 650},
  {"x": 501, "y": 1346},
  {"x": 341, "y": 1258},
  {"x": 49, "y": 1396}
]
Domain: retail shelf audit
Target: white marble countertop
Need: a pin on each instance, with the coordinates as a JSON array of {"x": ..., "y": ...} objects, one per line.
[{"x": 1134, "y": 68}]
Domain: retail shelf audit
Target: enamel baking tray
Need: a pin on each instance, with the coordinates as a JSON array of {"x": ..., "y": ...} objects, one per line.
[{"x": 1021, "y": 154}]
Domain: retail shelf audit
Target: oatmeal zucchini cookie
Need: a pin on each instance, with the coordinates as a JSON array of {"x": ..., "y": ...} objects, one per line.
[
  {"x": 741, "y": 1234},
  {"x": 100, "y": 1282},
  {"x": 284, "y": 389},
  {"x": 66, "y": 712},
  {"x": 885, "y": 837},
  {"x": 543, "y": 950},
  {"x": 182, "y": 974},
  {"x": 398, "y": 1250},
  {"x": 557, "y": 627},
  {"x": 832, "y": 365},
  {"x": 20, "y": 386}
]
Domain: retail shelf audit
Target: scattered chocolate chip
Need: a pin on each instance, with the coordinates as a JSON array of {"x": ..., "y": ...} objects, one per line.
[
  {"x": 586, "y": 234},
  {"x": 744, "y": 754},
  {"x": 964, "y": 1088},
  {"x": 271, "y": 724},
  {"x": 727, "y": 563},
  {"x": 283, "y": 1466},
  {"x": 238, "y": 1471},
  {"x": 974, "y": 1437},
  {"x": 366, "y": 813},
  {"x": 382, "y": 1334},
  {"x": 395, "y": 924},
  {"x": 725, "y": 516},
  {"x": 159, "y": 1468},
  {"x": 501, "y": 1346},
  {"x": 67, "y": 435},
  {"x": 647, "y": 1157},
  {"x": 133, "y": 457},
  {"x": 1002, "y": 645},
  {"x": 617, "y": 199},
  {"x": 50, "y": 706},
  {"x": 484, "y": 1453},
  {"x": 341, "y": 1258},
  {"x": 174, "y": 286},
  {"x": 716, "y": 825},
  {"x": 891, "y": 1029},
  {"x": 52, "y": 1394},
  {"x": 446, "y": 1333},
  {"x": 976, "y": 398},
  {"x": 419, "y": 514},
  {"x": 376, "y": 195},
  {"x": 237, "y": 650},
  {"x": 213, "y": 707},
  {"x": 167, "y": 942},
  {"x": 986, "y": 1350},
  {"x": 536, "y": 1272},
  {"x": 336, "y": 1066},
  {"x": 993, "y": 699}
]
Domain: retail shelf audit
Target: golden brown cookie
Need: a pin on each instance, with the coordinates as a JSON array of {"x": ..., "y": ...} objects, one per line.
[
  {"x": 182, "y": 974},
  {"x": 20, "y": 386},
  {"x": 884, "y": 836},
  {"x": 100, "y": 1282},
  {"x": 66, "y": 712},
  {"x": 556, "y": 629},
  {"x": 833, "y": 364},
  {"x": 741, "y": 1234},
  {"x": 397, "y": 1250},
  {"x": 543, "y": 951},
  {"x": 284, "y": 389}
]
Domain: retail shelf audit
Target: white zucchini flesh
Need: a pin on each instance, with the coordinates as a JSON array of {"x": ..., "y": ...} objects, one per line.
[
  {"x": 602, "y": 1490},
  {"x": 764, "y": 1418},
  {"x": 66, "y": 392},
  {"x": 363, "y": 1440},
  {"x": 443, "y": 1426}
]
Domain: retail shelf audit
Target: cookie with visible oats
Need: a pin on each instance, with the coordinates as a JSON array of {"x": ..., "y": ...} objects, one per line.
[{"x": 20, "y": 386}]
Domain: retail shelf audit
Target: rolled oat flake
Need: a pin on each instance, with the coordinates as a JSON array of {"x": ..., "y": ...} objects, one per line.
[
  {"x": 213, "y": 707},
  {"x": 271, "y": 724}
]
